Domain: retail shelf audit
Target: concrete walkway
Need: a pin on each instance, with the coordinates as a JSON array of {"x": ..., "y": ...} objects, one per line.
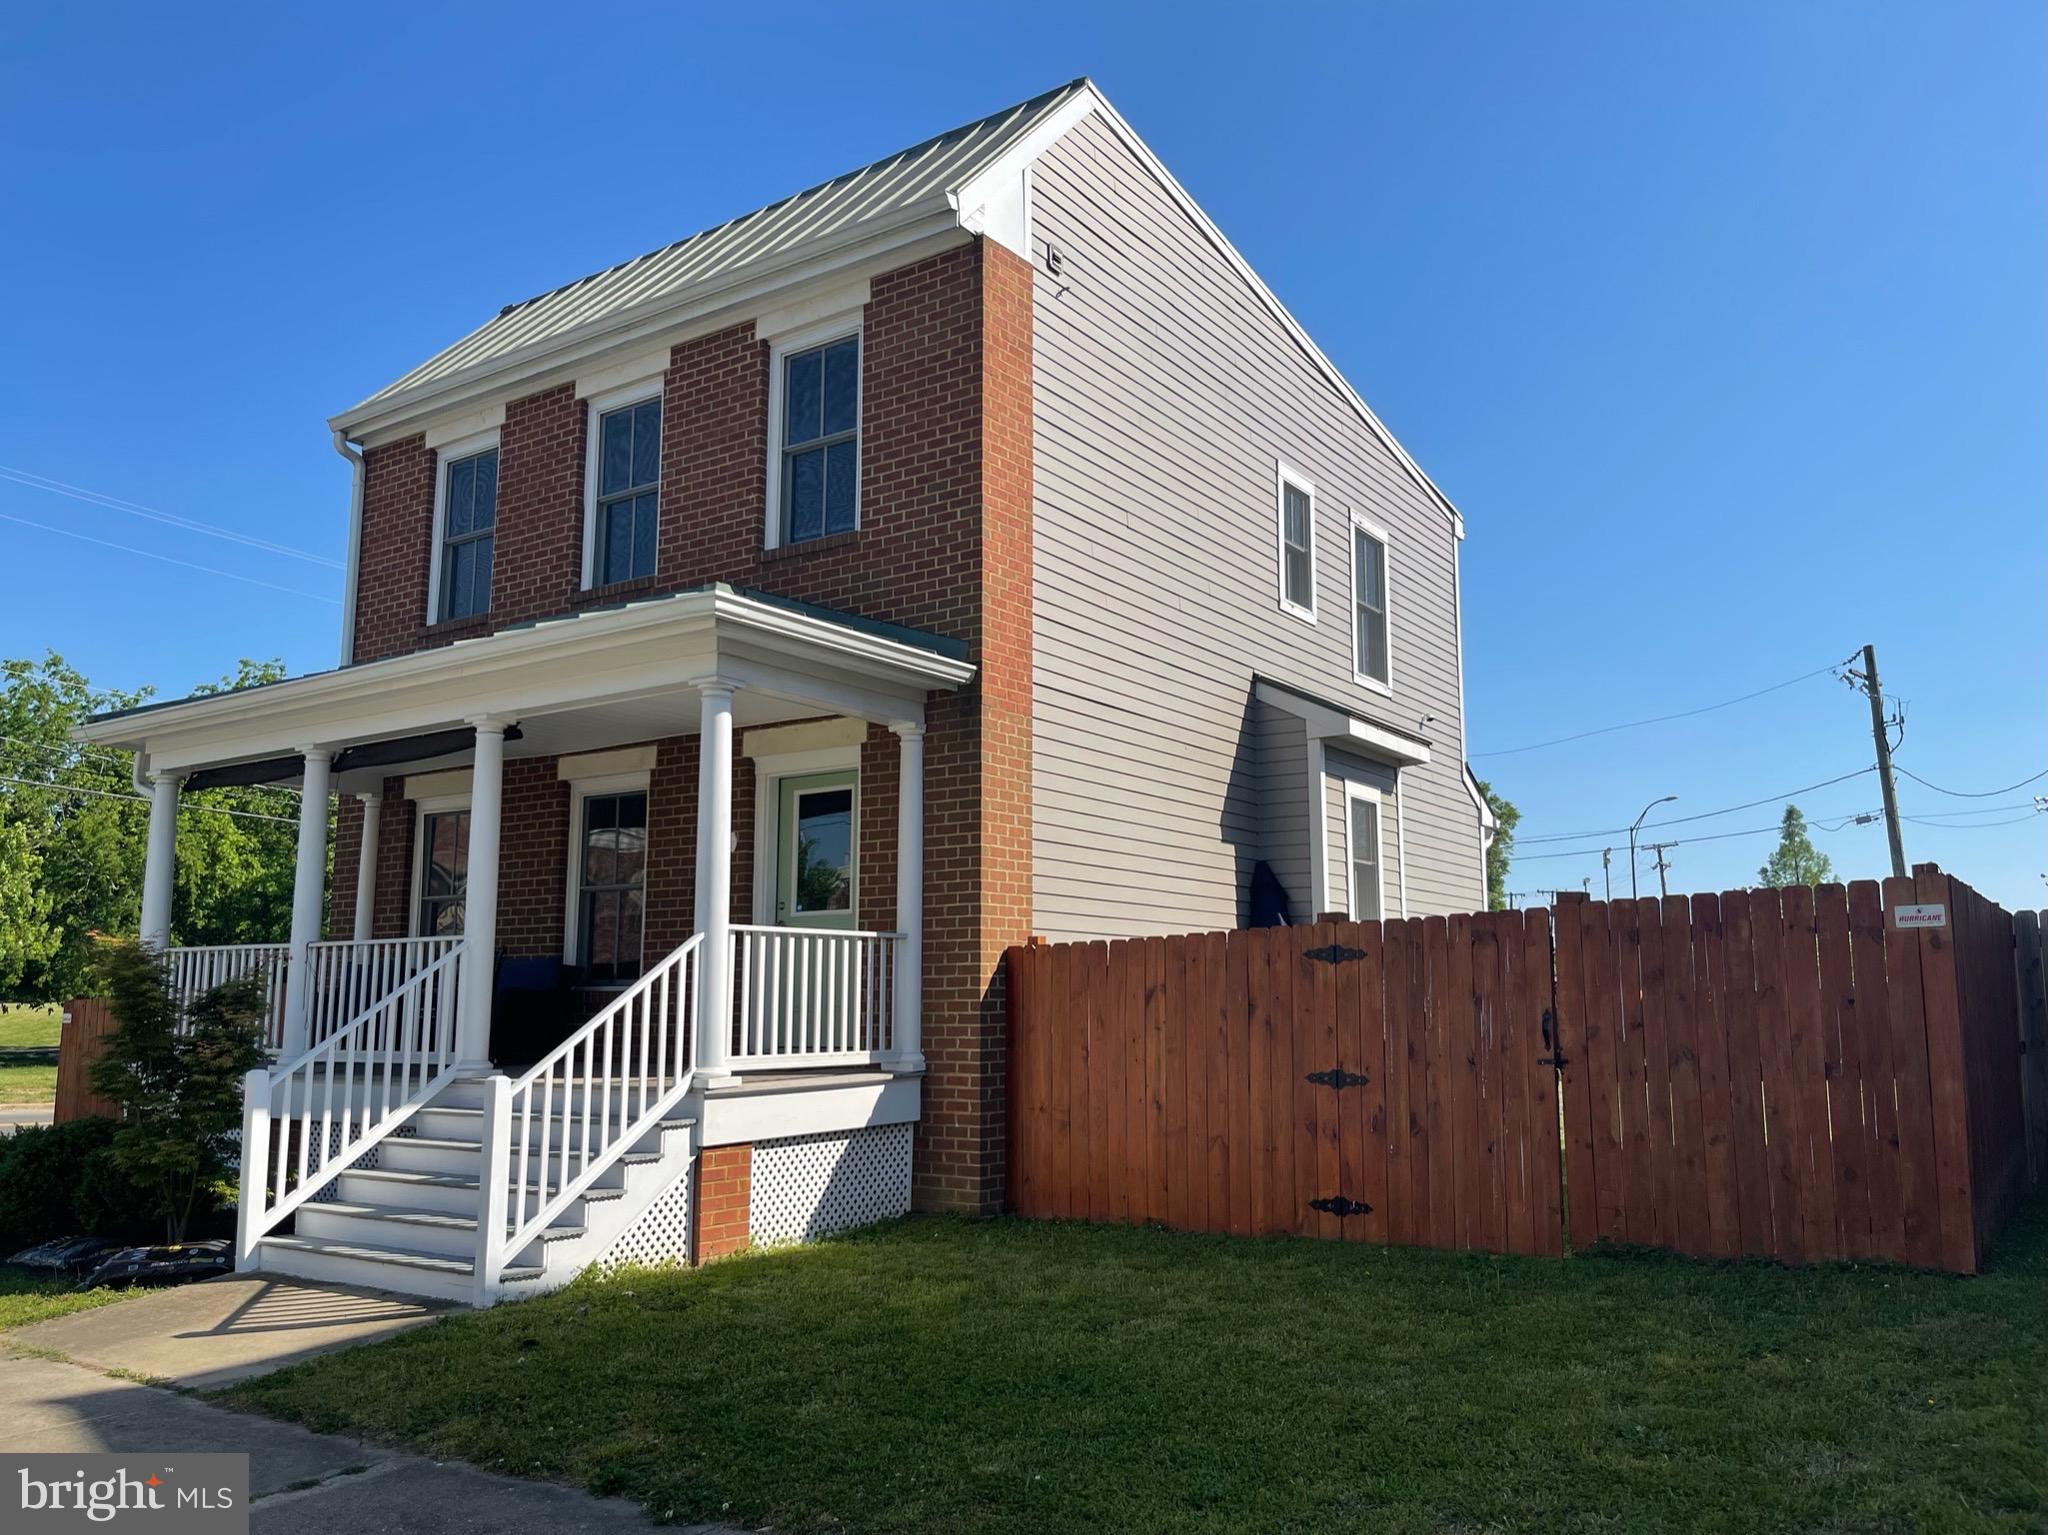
[{"x": 227, "y": 1329}]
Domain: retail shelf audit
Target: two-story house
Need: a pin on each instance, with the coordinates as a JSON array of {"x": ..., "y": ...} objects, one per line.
[{"x": 746, "y": 644}]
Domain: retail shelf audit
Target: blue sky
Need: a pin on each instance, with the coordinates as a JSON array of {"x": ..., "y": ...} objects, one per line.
[{"x": 1721, "y": 322}]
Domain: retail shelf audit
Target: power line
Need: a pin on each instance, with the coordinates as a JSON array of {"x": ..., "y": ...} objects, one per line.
[
  {"x": 149, "y": 554},
  {"x": 1967, "y": 793},
  {"x": 1704, "y": 815},
  {"x": 135, "y": 509},
  {"x": 1662, "y": 719},
  {"x": 137, "y": 799},
  {"x": 124, "y": 758},
  {"x": 1971, "y": 825},
  {"x": 1951, "y": 815}
]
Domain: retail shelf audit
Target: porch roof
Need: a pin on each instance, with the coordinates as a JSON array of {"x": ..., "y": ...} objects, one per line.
[{"x": 600, "y": 676}]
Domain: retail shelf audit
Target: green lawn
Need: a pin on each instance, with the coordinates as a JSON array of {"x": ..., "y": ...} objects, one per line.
[
  {"x": 25, "y": 1298},
  {"x": 28, "y": 1084},
  {"x": 945, "y": 1375},
  {"x": 22, "y": 1024}
]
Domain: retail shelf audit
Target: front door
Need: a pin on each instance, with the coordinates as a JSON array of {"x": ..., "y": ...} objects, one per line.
[{"x": 815, "y": 874}]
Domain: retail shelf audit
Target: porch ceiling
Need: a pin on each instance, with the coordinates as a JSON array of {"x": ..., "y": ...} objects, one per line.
[{"x": 628, "y": 673}]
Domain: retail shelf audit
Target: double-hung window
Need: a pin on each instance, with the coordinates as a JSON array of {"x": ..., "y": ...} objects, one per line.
[
  {"x": 1371, "y": 660},
  {"x": 443, "y": 872},
  {"x": 1363, "y": 828},
  {"x": 611, "y": 885},
  {"x": 469, "y": 523},
  {"x": 628, "y": 492},
  {"x": 1296, "y": 519},
  {"x": 819, "y": 441}
]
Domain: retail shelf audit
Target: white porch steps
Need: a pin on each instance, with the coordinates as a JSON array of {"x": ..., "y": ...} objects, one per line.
[{"x": 410, "y": 1223}]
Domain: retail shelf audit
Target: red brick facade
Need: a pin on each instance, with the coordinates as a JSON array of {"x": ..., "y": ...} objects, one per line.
[{"x": 944, "y": 545}]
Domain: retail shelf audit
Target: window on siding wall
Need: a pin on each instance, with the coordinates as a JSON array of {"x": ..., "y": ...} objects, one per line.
[
  {"x": 820, "y": 440},
  {"x": 1297, "y": 519},
  {"x": 1369, "y": 638},
  {"x": 628, "y": 490},
  {"x": 469, "y": 522},
  {"x": 1365, "y": 859}
]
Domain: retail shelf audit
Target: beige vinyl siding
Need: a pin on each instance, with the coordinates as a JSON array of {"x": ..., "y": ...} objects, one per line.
[
  {"x": 1165, "y": 397},
  {"x": 1283, "y": 803}
]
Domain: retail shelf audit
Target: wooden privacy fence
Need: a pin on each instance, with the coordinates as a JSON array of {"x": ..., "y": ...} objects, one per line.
[
  {"x": 88, "y": 1022},
  {"x": 1787, "y": 1074},
  {"x": 1316, "y": 1080}
]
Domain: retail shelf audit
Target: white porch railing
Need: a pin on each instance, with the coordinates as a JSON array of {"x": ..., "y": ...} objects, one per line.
[
  {"x": 315, "y": 1115},
  {"x": 554, "y": 1131},
  {"x": 344, "y": 977},
  {"x": 812, "y": 997},
  {"x": 197, "y": 970}
]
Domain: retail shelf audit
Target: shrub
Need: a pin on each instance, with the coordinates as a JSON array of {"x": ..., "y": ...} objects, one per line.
[
  {"x": 180, "y": 1089},
  {"x": 42, "y": 1169}
]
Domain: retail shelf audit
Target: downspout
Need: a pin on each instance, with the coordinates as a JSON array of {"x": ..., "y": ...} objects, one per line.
[{"x": 355, "y": 543}]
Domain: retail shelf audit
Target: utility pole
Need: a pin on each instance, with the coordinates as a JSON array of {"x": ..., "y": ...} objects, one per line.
[
  {"x": 1884, "y": 761},
  {"x": 1607, "y": 871},
  {"x": 1662, "y": 864}
]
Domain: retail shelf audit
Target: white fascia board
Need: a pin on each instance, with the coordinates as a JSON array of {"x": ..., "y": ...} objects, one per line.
[
  {"x": 1348, "y": 730},
  {"x": 731, "y": 1116},
  {"x": 660, "y": 646},
  {"x": 986, "y": 192},
  {"x": 997, "y": 202},
  {"x": 697, "y": 309}
]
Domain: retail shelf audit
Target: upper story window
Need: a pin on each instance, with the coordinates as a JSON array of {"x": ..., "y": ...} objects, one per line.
[
  {"x": 819, "y": 440},
  {"x": 1371, "y": 641},
  {"x": 625, "y": 518},
  {"x": 1296, "y": 526},
  {"x": 469, "y": 521}
]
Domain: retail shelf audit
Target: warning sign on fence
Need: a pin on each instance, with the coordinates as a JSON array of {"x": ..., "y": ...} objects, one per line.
[{"x": 1934, "y": 914}]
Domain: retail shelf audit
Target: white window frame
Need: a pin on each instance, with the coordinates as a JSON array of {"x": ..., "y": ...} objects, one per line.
[
  {"x": 1360, "y": 523},
  {"x": 598, "y": 407},
  {"x": 1353, "y": 792},
  {"x": 769, "y": 772},
  {"x": 444, "y": 455},
  {"x": 581, "y": 789},
  {"x": 1284, "y": 475},
  {"x": 437, "y": 804},
  {"x": 824, "y": 333}
]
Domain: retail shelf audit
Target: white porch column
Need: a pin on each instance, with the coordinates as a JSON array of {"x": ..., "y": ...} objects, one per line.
[
  {"x": 480, "y": 898},
  {"x": 714, "y": 883},
  {"x": 907, "y": 1052},
  {"x": 309, "y": 882},
  {"x": 366, "y": 866},
  {"x": 160, "y": 861}
]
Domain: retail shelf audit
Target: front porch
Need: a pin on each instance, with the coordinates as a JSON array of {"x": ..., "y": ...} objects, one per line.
[{"x": 564, "y": 851}]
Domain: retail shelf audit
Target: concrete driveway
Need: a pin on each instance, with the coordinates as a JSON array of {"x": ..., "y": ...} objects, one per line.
[{"x": 227, "y": 1329}]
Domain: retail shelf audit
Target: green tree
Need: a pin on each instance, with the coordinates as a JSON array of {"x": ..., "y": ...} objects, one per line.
[
  {"x": 1796, "y": 861},
  {"x": 73, "y": 832},
  {"x": 179, "y": 1089},
  {"x": 1500, "y": 852}
]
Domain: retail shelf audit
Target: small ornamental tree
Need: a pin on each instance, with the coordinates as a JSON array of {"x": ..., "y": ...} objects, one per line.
[
  {"x": 1796, "y": 861},
  {"x": 1500, "y": 852},
  {"x": 180, "y": 1093}
]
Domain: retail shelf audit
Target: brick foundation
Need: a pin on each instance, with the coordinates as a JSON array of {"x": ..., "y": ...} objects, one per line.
[{"x": 720, "y": 1212}]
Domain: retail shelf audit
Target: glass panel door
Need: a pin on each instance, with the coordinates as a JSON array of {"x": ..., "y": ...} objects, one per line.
[{"x": 816, "y": 878}]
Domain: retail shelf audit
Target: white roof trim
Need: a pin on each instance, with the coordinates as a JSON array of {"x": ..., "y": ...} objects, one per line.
[{"x": 1327, "y": 723}]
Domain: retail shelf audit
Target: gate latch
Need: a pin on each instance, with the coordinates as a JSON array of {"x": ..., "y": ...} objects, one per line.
[
  {"x": 1340, "y": 1206},
  {"x": 1338, "y": 1078},
  {"x": 1556, "y": 1058}
]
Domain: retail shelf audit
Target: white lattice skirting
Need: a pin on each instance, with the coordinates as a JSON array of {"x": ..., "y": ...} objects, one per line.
[
  {"x": 661, "y": 1232},
  {"x": 810, "y": 1186}
]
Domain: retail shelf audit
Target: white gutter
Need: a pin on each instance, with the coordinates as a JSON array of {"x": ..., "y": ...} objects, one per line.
[{"x": 355, "y": 545}]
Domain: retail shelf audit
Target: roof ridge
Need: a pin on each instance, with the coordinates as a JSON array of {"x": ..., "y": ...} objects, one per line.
[{"x": 781, "y": 202}]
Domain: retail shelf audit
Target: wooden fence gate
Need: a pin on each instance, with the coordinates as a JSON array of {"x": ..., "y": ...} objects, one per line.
[
  {"x": 1834, "y": 1072},
  {"x": 1316, "y": 1080}
]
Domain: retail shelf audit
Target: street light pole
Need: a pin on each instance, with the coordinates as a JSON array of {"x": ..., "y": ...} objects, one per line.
[{"x": 1634, "y": 827}]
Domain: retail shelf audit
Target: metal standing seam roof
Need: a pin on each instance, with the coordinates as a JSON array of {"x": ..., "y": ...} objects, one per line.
[{"x": 875, "y": 194}]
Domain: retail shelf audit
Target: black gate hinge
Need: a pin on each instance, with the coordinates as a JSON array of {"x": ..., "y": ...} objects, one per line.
[
  {"x": 1340, "y": 1206},
  {"x": 1338, "y": 1078},
  {"x": 1333, "y": 953}
]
